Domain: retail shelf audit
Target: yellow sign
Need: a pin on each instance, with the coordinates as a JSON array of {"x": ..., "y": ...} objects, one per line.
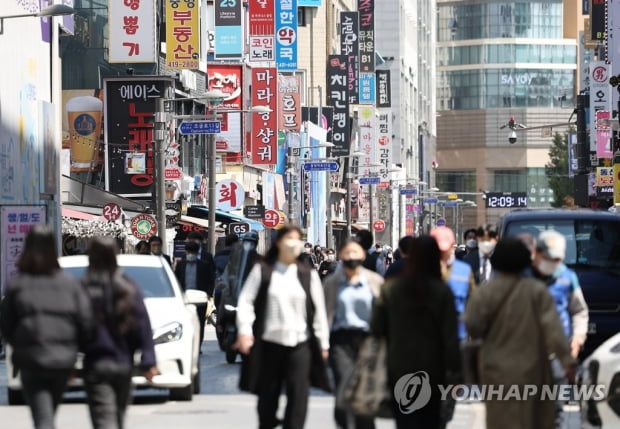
[
  {"x": 182, "y": 34},
  {"x": 453, "y": 196},
  {"x": 604, "y": 176}
]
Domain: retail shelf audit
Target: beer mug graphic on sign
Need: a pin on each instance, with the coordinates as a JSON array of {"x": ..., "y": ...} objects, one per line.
[{"x": 84, "y": 119}]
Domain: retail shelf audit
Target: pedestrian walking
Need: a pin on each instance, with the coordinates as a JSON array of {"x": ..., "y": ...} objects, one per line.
[
  {"x": 349, "y": 297},
  {"x": 329, "y": 265},
  {"x": 281, "y": 319},
  {"x": 194, "y": 273},
  {"x": 122, "y": 329},
  {"x": 397, "y": 268},
  {"x": 415, "y": 313},
  {"x": 516, "y": 318},
  {"x": 156, "y": 247},
  {"x": 480, "y": 260},
  {"x": 45, "y": 317}
]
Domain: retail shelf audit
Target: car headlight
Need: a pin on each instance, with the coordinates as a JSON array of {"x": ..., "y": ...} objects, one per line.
[{"x": 168, "y": 333}]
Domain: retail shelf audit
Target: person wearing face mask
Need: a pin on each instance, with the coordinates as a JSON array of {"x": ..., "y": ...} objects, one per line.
[
  {"x": 193, "y": 273},
  {"x": 349, "y": 297},
  {"x": 480, "y": 261},
  {"x": 328, "y": 266},
  {"x": 282, "y": 326},
  {"x": 457, "y": 274},
  {"x": 563, "y": 285}
]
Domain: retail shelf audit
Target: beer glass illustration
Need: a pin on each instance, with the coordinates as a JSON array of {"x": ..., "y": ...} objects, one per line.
[{"x": 84, "y": 119}]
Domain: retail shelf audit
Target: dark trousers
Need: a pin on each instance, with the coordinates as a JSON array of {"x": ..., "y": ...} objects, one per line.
[
  {"x": 201, "y": 311},
  {"x": 343, "y": 350},
  {"x": 427, "y": 417},
  {"x": 108, "y": 391},
  {"x": 289, "y": 366},
  {"x": 43, "y": 391}
]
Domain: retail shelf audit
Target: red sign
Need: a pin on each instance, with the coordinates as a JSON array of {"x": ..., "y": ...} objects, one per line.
[
  {"x": 264, "y": 142},
  {"x": 378, "y": 225},
  {"x": 173, "y": 173},
  {"x": 289, "y": 103},
  {"x": 229, "y": 80},
  {"x": 272, "y": 219},
  {"x": 262, "y": 15},
  {"x": 143, "y": 226},
  {"x": 111, "y": 211}
]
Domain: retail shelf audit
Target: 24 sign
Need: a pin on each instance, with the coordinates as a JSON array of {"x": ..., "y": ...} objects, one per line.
[{"x": 111, "y": 211}]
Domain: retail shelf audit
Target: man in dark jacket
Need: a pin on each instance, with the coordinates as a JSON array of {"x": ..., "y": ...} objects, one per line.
[
  {"x": 193, "y": 273},
  {"x": 221, "y": 260}
]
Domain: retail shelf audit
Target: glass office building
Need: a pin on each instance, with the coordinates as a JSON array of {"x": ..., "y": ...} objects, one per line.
[{"x": 497, "y": 59}]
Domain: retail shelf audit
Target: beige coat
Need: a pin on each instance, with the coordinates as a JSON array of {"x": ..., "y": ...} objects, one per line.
[
  {"x": 516, "y": 346},
  {"x": 331, "y": 283}
]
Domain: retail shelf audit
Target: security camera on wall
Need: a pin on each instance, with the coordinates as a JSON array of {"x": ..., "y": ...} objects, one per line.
[{"x": 512, "y": 137}]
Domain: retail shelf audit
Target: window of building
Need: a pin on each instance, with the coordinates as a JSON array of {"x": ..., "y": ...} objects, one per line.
[{"x": 456, "y": 180}]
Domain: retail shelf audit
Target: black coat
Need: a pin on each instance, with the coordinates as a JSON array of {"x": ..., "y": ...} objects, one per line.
[
  {"x": 473, "y": 259},
  {"x": 205, "y": 276}
]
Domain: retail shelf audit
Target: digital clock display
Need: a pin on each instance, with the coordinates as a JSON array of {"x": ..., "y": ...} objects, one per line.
[{"x": 506, "y": 199}]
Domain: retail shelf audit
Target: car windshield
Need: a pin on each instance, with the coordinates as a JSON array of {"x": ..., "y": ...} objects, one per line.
[
  {"x": 590, "y": 243},
  {"x": 153, "y": 281}
]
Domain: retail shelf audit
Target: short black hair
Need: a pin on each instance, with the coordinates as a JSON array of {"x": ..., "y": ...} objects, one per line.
[
  {"x": 195, "y": 235},
  {"x": 404, "y": 244},
  {"x": 231, "y": 239},
  {"x": 365, "y": 238},
  {"x": 511, "y": 256},
  {"x": 192, "y": 247},
  {"x": 155, "y": 239}
]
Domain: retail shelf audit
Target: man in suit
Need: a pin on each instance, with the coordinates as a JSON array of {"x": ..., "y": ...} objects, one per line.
[
  {"x": 157, "y": 248},
  {"x": 480, "y": 260},
  {"x": 193, "y": 273}
]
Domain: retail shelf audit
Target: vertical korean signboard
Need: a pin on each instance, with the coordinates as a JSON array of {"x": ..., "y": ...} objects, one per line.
[
  {"x": 289, "y": 103},
  {"x": 349, "y": 47},
  {"x": 15, "y": 222},
  {"x": 182, "y": 33},
  {"x": 228, "y": 34},
  {"x": 129, "y": 118},
  {"x": 384, "y": 90},
  {"x": 337, "y": 98},
  {"x": 264, "y": 125},
  {"x": 384, "y": 143},
  {"x": 367, "y": 143},
  {"x": 131, "y": 31},
  {"x": 262, "y": 27},
  {"x": 286, "y": 35},
  {"x": 366, "y": 9},
  {"x": 600, "y": 95}
]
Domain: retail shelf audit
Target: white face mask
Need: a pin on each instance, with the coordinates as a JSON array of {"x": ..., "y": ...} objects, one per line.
[
  {"x": 486, "y": 247},
  {"x": 331, "y": 257},
  {"x": 292, "y": 246},
  {"x": 191, "y": 257},
  {"x": 547, "y": 268},
  {"x": 471, "y": 243}
]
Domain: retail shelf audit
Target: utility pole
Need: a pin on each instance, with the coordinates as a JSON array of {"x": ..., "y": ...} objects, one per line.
[
  {"x": 159, "y": 135},
  {"x": 212, "y": 179}
]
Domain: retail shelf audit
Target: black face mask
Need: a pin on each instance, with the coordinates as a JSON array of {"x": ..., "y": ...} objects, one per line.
[{"x": 352, "y": 263}]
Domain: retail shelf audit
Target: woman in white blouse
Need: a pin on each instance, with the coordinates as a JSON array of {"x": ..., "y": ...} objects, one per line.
[{"x": 273, "y": 323}]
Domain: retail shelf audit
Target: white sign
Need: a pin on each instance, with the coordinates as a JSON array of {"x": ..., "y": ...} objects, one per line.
[
  {"x": 366, "y": 122},
  {"x": 384, "y": 143},
  {"x": 131, "y": 31},
  {"x": 229, "y": 195},
  {"x": 15, "y": 222},
  {"x": 600, "y": 95}
]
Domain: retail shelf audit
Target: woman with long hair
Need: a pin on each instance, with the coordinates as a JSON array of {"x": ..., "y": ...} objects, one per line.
[
  {"x": 415, "y": 313},
  {"x": 122, "y": 327},
  {"x": 45, "y": 317},
  {"x": 280, "y": 316}
]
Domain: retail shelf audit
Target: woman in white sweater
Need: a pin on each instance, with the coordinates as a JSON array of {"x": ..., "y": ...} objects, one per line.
[{"x": 280, "y": 317}]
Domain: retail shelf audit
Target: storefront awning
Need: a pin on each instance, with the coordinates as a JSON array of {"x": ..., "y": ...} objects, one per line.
[
  {"x": 223, "y": 217},
  {"x": 194, "y": 220},
  {"x": 76, "y": 214}
]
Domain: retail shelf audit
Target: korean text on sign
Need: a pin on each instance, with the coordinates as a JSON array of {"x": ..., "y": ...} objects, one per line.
[
  {"x": 264, "y": 125},
  {"x": 182, "y": 34}
]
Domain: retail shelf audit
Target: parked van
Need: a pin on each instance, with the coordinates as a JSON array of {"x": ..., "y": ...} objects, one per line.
[{"x": 592, "y": 250}]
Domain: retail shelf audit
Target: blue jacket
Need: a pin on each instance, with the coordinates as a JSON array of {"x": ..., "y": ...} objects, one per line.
[
  {"x": 458, "y": 280},
  {"x": 561, "y": 286}
]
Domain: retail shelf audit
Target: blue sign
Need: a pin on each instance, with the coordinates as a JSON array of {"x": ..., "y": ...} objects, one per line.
[
  {"x": 286, "y": 35},
  {"x": 200, "y": 127},
  {"x": 430, "y": 200},
  {"x": 408, "y": 191},
  {"x": 370, "y": 180},
  {"x": 321, "y": 166},
  {"x": 450, "y": 204},
  {"x": 441, "y": 222},
  {"x": 367, "y": 88},
  {"x": 309, "y": 3}
]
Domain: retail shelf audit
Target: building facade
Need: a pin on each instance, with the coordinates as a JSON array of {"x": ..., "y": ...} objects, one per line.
[{"x": 497, "y": 60}]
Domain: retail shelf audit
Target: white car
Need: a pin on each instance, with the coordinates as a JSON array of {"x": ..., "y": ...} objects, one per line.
[
  {"x": 173, "y": 319},
  {"x": 602, "y": 368}
]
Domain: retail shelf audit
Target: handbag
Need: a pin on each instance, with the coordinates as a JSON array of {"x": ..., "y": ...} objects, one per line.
[
  {"x": 366, "y": 391},
  {"x": 470, "y": 348}
]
